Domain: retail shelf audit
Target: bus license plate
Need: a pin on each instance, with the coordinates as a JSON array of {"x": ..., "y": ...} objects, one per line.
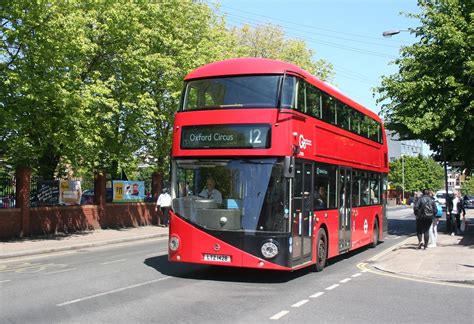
[{"x": 217, "y": 258}]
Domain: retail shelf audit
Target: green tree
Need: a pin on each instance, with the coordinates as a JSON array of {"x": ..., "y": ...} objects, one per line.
[
  {"x": 417, "y": 173},
  {"x": 94, "y": 85},
  {"x": 468, "y": 186},
  {"x": 269, "y": 41},
  {"x": 432, "y": 97}
]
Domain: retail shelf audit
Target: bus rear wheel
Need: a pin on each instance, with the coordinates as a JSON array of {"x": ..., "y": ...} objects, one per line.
[
  {"x": 375, "y": 234},
  {"x": 321, "y": 250}
]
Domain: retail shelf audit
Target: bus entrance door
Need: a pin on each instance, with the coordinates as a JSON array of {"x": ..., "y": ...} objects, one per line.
[
  {"x": 344, "y": 209},
  {"x": 302, "y": 216}
]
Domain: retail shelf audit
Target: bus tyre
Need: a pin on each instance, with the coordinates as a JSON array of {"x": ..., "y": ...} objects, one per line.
[
  {"x": 321, "y": 250},
  {"x": 375, "y": 234}
]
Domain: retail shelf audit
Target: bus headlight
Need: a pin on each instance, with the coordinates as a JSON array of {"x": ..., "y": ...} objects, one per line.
[
  {"x": 173, "y": 243},
  {"x": 269, "y": 249}
]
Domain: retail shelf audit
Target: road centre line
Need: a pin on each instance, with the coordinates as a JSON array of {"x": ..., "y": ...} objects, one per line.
[
  {"x": 279, "y": 315},
  {"x": 355, "y": 275},
  {"x": 4, "y": 281},
  {"x": 300, "y": 303},
  {"x": 111, "y": 292},
  {"x": 316, "y": 295},
  {"x": 345, "y": 280},
  {"x": 59, "y": 271},
  {"x": 114, "y": 261},
  {"x": 332, "y": 287}
]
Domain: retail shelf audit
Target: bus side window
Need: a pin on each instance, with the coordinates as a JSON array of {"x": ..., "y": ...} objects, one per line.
[
  {"x": 288, "y": 97},
  {"x": 375, "y": 189},
  {"x": 356, "y": 179},
  {"x": 324, "y": 186},
  {"x": 301, "y": 98},
  {"x": 364, "y": 189},
  {"x": 329, "y": 109},
  {"x": 373, "y": 130},
  {"x": 314, "y": 101},
  {"x": 343, "y": 116}
]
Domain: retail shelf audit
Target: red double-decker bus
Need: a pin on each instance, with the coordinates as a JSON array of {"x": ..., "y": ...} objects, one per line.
[{"x": 273, "y": 169}]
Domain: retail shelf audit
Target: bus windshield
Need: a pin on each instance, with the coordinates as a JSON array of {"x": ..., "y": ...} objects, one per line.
[
  {"x": 232, "y": 195},
  {"x": 258, "y": 91}
]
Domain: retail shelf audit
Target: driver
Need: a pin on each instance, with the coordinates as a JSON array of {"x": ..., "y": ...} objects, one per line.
[{"x": 210, "y": 192}]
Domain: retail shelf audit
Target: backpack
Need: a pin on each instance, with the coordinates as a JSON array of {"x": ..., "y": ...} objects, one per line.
[
  {"x": 428, "y": 211},
  {"x": 439, "y": 212}
]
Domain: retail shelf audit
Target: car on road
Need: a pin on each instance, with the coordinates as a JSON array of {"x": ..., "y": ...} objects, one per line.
[
  {"x": 440, "y": 197},
  {"x": 468, "y": 201}
]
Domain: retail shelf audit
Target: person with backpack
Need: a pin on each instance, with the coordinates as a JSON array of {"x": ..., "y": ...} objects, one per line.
[
  {"x": 425, "y": 210},
  {"x": 434, "y": 225}
]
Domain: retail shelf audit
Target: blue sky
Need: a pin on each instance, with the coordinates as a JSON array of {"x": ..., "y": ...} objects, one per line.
[{"x": 346, "y": 33}]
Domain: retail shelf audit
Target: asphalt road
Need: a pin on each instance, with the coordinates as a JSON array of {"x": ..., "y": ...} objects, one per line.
[{"x": 134, "y": 283}]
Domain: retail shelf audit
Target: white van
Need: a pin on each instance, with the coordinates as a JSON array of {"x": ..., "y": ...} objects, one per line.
[{"x": 440, "y": 197}]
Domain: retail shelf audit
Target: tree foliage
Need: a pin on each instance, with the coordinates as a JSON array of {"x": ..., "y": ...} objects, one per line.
[
  {"x": 268, "y": 41},
  {"x": 432, "y": 96},
  {"x": 468, "y": 186},
  {"x": 417, "y": 173},
  {"x": 95, "y": 84}
]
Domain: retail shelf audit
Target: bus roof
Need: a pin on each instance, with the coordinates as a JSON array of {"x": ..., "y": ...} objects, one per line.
[{"x": 252, "y": 66}]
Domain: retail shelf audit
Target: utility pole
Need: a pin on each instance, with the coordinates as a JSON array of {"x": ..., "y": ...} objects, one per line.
[{"x": 448, "y": 216}]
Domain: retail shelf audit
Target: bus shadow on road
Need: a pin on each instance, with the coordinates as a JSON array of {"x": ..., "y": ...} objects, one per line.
[{"x": 221, "y": 273}]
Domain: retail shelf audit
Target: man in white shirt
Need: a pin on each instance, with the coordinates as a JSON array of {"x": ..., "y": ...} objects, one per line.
[
  {"x": 211, "y": 192},
  {"x": 164, "y": 203}
]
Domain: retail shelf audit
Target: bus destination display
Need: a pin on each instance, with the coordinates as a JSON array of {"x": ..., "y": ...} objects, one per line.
[{"x": 226, "y": 136}]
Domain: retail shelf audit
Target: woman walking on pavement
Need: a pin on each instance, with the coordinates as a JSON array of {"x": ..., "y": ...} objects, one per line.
[
  {"x": 425, "y": 210},
  {"x": 458, "y": 208}
]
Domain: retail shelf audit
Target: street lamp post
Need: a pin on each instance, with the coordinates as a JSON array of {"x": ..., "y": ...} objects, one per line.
[
  {"x": 403, "y": 180},
  {"x": 390, "y": 33}
]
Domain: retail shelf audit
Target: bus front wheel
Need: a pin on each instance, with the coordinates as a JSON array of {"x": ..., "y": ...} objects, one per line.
[{"x": 321, "y": 250}]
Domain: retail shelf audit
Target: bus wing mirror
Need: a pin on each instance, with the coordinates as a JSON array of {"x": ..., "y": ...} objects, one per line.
[{"x": 289, "y": 167}]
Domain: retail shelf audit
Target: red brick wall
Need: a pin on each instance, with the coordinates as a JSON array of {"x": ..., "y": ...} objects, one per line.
[
  {"x": 10, "y": 223},
  {"x": 62, "y": 219},
  {"x": 69, "y": 219},
  {"x": 131, "y": 215}
]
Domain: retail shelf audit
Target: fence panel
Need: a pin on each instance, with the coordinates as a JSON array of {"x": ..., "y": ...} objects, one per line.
[{"x": 7, "y": 191}]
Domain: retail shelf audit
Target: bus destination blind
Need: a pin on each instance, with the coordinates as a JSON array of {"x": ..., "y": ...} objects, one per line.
[{"x": 226, "y": 136}]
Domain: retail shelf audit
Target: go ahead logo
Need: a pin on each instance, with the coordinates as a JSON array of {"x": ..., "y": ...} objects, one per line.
[{"x": 304, "y": 142}]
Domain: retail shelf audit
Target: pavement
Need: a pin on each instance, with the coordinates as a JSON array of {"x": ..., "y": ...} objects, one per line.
[
  {"x": 451, "y": 261},
  {"x": 63, "y": 242}
]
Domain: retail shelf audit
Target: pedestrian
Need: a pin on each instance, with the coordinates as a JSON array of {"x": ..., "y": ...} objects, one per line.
[
  {"x": 164, "y": 203},
  {"x": 457, "y": 209},
  {"x": 434, "y": 225},
  {"x": 449, "y": 208},
  {"x": 425, "y": 210}
]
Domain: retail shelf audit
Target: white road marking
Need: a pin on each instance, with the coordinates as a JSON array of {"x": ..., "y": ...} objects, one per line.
[
  {"x": 396, "y": 237},
  {"x": 300, "y": 303},
  {"x": 156, "y": 254},
  {"x": 59, "y": 271},
  {"x": 332, "y": 287},
  {"x": 279, "y": 315},
  {"x": 345, "y": 280},
  {"x": 114, "y": 261},
  {"x": 316, "y": 295},
  {"x": 111, "y": 292},
  {"x": 356, "y": 275},
  {"x": 4, "y": 281}
]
